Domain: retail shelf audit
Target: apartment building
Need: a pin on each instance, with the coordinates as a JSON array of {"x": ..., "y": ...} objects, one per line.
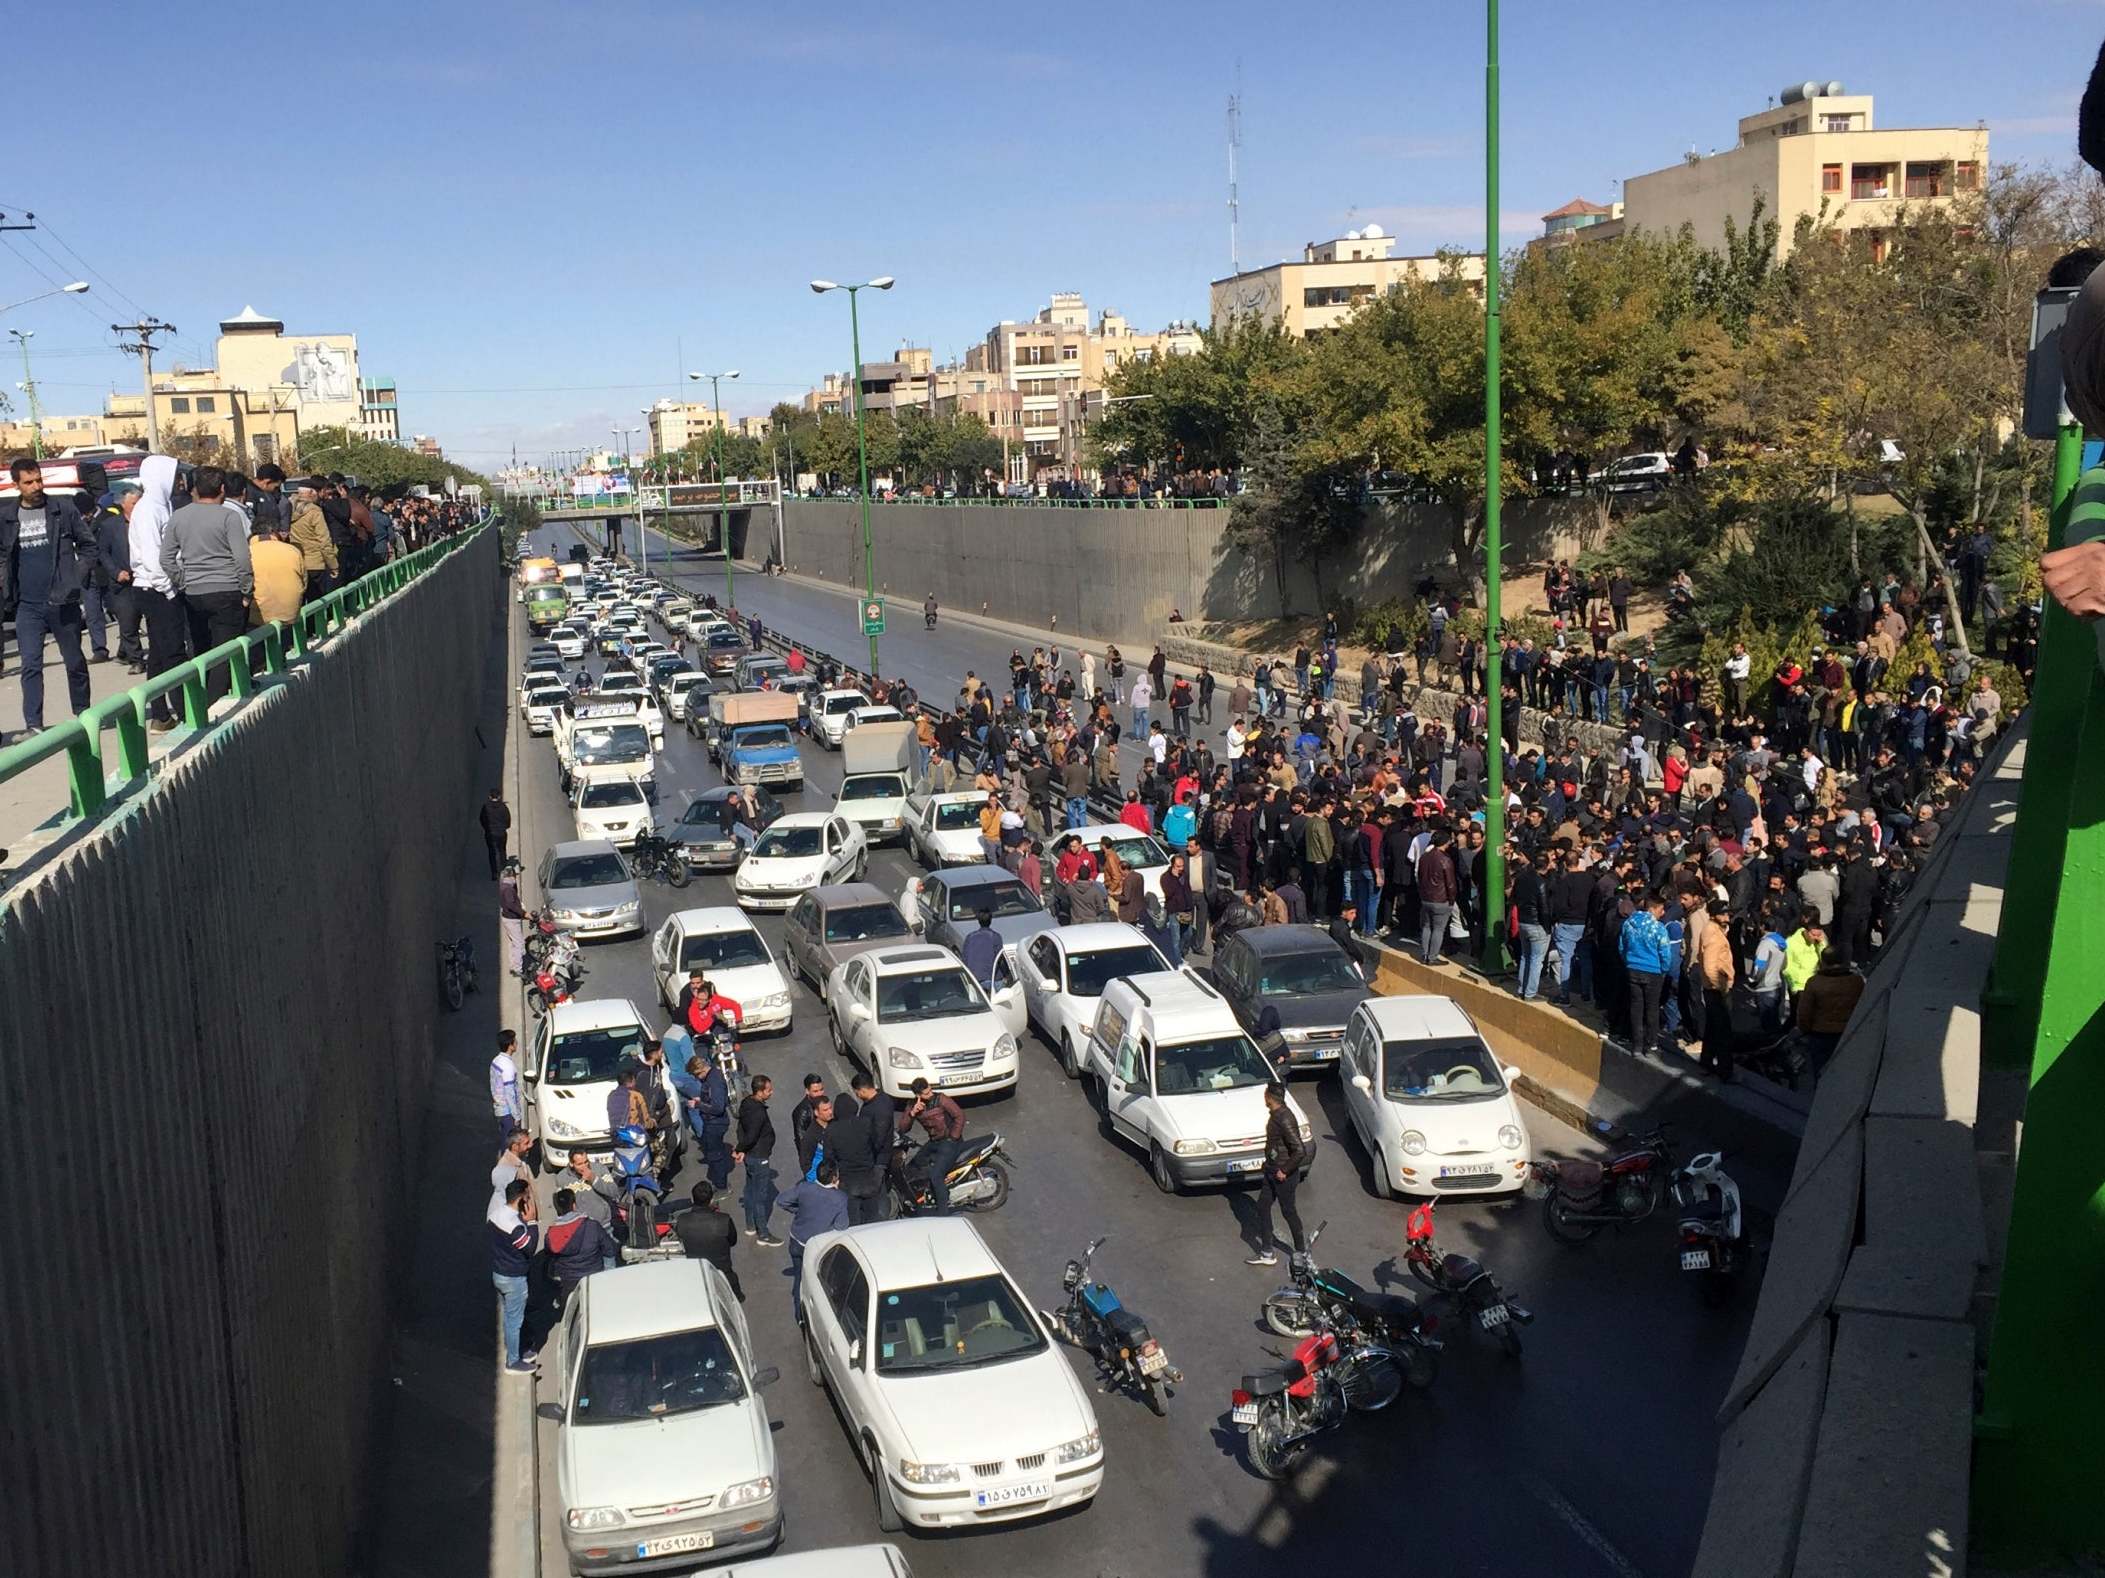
[
  {"x": 1817, "y": 151},
  {"x": 1331, "y": 280},
  {"x": 674, "y": 424},
  {"x": 379, "y": 418}
]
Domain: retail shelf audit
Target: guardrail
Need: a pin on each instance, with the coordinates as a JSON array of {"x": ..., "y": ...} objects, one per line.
[{"x": 272, "y": 648}]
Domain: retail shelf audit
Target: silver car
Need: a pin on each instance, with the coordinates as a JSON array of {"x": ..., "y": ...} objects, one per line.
[
  {"x": 591, "y": 890},
  {"x": 835, "y": 922}
]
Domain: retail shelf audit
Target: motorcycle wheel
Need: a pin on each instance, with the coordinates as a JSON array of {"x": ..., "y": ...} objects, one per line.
[
  {"x": 537, "y": 1000},
  {"x": 1563, "y": 1230},
  {"x": 456, "y": 993},
  {"x": 1151, "y": 1392},
  {"x": 1288, "y": 1314},
  {"x": 1421, "y": 1366},
  {"x": 1271, "y": 1459},
  {"x": 1424, "y": 1278},
  {"x": 1509, "y": 1338},
  {"x": 676, "y": 873},
  {"x": 1000, "y": 1195},
  {"x": 1371, "y": 1385}
]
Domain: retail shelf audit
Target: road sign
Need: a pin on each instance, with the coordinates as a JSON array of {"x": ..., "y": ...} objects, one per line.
[{"x": 873, "y": 618}]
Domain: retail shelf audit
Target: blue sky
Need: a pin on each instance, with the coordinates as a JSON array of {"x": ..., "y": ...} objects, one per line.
[{"x": 531, "y": 212}]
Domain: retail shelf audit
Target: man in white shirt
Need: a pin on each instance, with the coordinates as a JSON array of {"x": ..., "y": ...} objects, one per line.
[
  {"x": 1158, "y": 743},
  {"x": 1737, "y": 667},
  {"x": 1236, "y": 736}
]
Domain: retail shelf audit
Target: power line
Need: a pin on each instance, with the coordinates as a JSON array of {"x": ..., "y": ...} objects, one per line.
[
  {"x": 53, "y": 281},
  {"x": 87, "y": 267}
]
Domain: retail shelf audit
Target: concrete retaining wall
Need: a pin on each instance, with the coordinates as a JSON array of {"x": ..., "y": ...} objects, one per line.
[
  {"x": 1117, "y": 574},
  {"x": 216, "y": 1027}
]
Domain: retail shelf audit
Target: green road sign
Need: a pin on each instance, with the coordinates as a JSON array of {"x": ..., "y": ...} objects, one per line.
[{"x": 873, "y": 618}]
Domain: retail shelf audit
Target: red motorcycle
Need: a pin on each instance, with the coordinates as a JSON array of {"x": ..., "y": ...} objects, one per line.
[
  {"x": 1332, "y": 1372},
  {"x": 1474, "y": 1290},
  {"x": 553, "y": 979},
  {"x": 1580, "y": 1198}
]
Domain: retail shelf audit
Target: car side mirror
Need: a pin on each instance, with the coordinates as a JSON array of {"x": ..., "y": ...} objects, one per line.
[
  {"x": 1512, "y": 1072},
  {"x": 855, "y": 1352},
  {"x": 858, "y": 1009},
  {"x": 552, "y": 1412},
  {"x": 766, "y": 1376},
  {"x": 1364, "y": 1085}
]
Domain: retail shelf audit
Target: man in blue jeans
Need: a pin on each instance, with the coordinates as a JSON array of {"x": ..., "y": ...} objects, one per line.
[
  {"x": 513, "y": 1240},
  {"x": 46, "y": 551}
]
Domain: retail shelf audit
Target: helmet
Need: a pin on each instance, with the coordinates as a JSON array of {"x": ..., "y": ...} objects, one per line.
[{"x": 513, "y": 865}]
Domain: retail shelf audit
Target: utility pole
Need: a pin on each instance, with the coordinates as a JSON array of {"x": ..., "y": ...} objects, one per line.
[
  {"x": 1494, "y": 896},
  {"x": 29, "y": 388},
  {"x": 145, "y": 329}
]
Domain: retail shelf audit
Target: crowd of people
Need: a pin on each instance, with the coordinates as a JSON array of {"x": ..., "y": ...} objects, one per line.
[{"x": 181, "y": 559}]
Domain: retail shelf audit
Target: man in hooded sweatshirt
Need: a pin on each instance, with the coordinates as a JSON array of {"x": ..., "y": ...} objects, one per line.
[{"x": 167, "y": 630}]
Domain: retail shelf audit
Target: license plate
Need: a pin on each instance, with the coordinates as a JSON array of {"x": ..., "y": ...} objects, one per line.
[
  {"x": 1011, "y": 1495},
  {"x": 1492, "y": 1318},
  {"x": 1249, "y": 1166},
  {"x": 1468, "y": 1172},
  {"x": 1695, "y": 1260},
  {"x": 672, "y": 1544},
  {"x": 1154, "y": 1363},
  {"x": 1245, "y": 1414}
]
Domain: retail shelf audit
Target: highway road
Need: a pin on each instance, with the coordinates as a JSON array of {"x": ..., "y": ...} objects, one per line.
[{"x": 1591, "y": 1456}]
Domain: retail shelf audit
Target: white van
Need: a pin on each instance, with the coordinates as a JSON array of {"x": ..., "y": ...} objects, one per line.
[{"x": 1174, "y": 1074}]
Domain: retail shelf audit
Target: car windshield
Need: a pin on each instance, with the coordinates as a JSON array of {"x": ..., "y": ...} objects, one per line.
[
  {"x": 958, "y": 815},
  {"x": 625, "y": 742},
  {"x": 726, "y": 950},
  {"x": 721, "y": 639},
  {"x": 599, "y": 797},
  {"x": 1298, "y": 974},
  {"x": 1088, "y": 973},
  {"x": 590, "y": 1057},
  {"x": 676, "y": 1373},
  {"x": 874, "y": 786},
  {"x": 997, "y": 898},
  {"x": 587, "y": 871},
  {"x": 1459, "y": 1068},
  {"x": 913, "y": 995},
  {"x": 705, "y": 811},
  {"x": 1217, "y": 1063},
  {"x": 767, "y": 735},
  {"x": 682, "y": 683},
  {"x": 845, "y": 703},
  {"x": 863, "y": 923},
  {"x": 952, "y": 1326},
  {"x": 788, "y": 843},
  {"x": 546, "y": 698}
]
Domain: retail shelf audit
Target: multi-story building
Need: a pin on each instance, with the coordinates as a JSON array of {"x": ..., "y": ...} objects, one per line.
[
  {"x": 59, "y": 433},
  {"x": 425, "y": 444},
  {"x": 1332, "y": 278},
  {"x": 831, "y": 396},
  {"x": 1816, "y": 152},
  {"x": 674, "y": 424},
  {"x": 755, "y": 427},
  {"x": 1579, "y": 220},
  {"x": 378, "y": 418}
]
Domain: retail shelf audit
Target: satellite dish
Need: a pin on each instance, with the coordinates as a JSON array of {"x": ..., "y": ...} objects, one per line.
[{"x": 1352, "y": 235}]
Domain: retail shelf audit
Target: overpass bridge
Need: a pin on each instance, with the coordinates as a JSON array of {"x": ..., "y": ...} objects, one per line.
[{"x": 729, "y": 506}]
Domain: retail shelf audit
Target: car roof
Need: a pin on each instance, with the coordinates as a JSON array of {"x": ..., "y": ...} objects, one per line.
[
  {"x": 1418, "y": 1017},
  {"x": 955, "y": 796},
  {"x": 715, "y": 918},
  {"x": 597, "y": 1013},
  {"x": 910, "y": 956},
  {"x": 1164, "y": 992},
  {"x": 802, "y": 818},
  {"x": 917, "y": 1251},
  {"x": 980, "y": 876},
  {"x": 572, "y": 847},
  {"x": 1094, "y": 936},
  {"x": 546, "y": 690},
  {"x": 842, "y": 690},
  {"x": 646, "y": 1300},
  {"x": 833, "y": 894},
  {"x": 1269, "y": 941}
]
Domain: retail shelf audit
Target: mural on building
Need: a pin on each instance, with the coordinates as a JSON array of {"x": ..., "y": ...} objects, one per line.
[{"x": 321, "y": 372}]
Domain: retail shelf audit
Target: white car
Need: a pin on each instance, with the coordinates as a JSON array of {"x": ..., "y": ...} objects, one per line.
[
  {"x": 797, "y": 853},
  {"x": 539, "y": 674},
  {"x": 913, "y": 1011},
  {"x": 613, "y": 809},
  {"x": 1430, "y": 1101},
  {"x": 1142, "y": 852},
  {"x": 570, "y": 640},
  {"x": 958, "y": 1404},
  {"x": 943, "y": 829},
  {"x": 867, "y": 713},
  {"x": 573, "y": 1068},
  {"x": 677, "y": 691},
  {"x": 828, "y": 711},
  {"x": 702, "y": 621},
  {"x": 1173, "y": 1074},
  {"x": 1063, "y": 973},
  {"x": 643, "y": 654},
  {"x": 665, "y": 1455},
  {"x": 722, "y": 942},
  {"x": 543, "y": 704}
]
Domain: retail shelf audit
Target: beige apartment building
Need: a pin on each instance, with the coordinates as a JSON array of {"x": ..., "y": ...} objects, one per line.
[
  {"x": 60, "y": 433},
  {"x": 1817, "y": 152},
  {"x": 675, "y": 424},
  {"x": 253, "y": 425},
  {"x": 1318, "y": 293}
]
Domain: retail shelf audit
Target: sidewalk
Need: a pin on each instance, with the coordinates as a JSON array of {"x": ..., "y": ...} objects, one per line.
[{"x": 45, "y": 790}]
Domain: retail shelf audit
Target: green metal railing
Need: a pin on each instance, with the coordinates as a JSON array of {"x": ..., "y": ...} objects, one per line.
[{"x": 80, "y": 739}]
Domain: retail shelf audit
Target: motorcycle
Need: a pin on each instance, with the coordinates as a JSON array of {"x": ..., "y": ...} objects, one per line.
[
  {"x": 456, "y": 971},
  {"x": 1126, "y": 1352},
  {"x": 1713, "y": 1237},
  {"x": 1474, "y": 1290},
  {"x": 543, "y": 935},
  {"x": 1781, "y": 1057},
  {"x": 976, "y": 1181},
  {"x": 1391, "y": 1323},
  {"x": 1580, "y": 1198},
  {"x": 639, "y": 1210},
  {"x": 661, "y": 859},
  {"x": 555, "y": 979},
  {"x": 1332, "y": 1372}
]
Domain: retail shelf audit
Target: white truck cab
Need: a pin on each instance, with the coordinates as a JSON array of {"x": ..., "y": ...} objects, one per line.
[{"x": 603, "y": 740}]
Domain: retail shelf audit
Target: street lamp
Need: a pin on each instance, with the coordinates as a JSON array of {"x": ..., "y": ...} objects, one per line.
[
  {"x": 1494, "y": 955},
  {"x": 723, "y": 512},
  {"x": 78, "y": 287},
  {"x": 819, "y": 287}
]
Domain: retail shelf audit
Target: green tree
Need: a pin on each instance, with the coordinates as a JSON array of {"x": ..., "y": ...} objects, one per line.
[
  {"x": 1194, "y": 412},
  {"x": 377, "y": 464}
]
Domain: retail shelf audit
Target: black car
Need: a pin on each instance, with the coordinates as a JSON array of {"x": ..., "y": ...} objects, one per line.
[
  {"x": 1302, "y": 973},
  {"x": 708, "y": 846}
]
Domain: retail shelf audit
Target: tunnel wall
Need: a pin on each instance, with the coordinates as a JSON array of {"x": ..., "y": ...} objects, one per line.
[{"x": 216, "y": 1030}]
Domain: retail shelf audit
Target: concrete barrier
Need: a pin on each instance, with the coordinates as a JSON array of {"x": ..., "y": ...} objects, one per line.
[{"x": 216, "y": 1031}]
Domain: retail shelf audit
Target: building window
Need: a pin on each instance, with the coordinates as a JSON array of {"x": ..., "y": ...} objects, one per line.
[
  {"x": 1069, "y": 353},
  {"x": 178, "y": 405},
  {"x": 206, "y": 405},
  {"x": 1830, "y": 178},
  {"x": 1967, "y": 176},
  {"x": 1870, "y": 182},
  {"x": 1926, "y": 179},
  {"x": 1838, "y": 123}
]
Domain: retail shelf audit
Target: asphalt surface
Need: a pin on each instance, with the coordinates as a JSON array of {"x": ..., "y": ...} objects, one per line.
[{"x": 1591, "y": 1456}]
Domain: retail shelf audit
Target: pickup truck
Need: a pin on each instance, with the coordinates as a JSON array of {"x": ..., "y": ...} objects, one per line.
[
  {"x": 876, "y": 758},
  {"x": 749, "y": 738}
]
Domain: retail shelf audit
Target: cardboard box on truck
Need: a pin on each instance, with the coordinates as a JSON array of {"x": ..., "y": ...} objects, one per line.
[
  {"x": 877, "y": 748},
  {"x": 729, "y": 709}
]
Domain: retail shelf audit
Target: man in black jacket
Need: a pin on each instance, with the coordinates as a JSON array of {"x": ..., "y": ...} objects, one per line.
[
  {"x": 705, "y": 1233},
  {"x": 1285, "y": 1156},
  {"x": 754, "y": 1149},
  {"x": 1854, "y": 907},
  {"x": 46, "y": 553},
  {"x": 863, "y": 1126},
  {"x": 113, "y": 570}
]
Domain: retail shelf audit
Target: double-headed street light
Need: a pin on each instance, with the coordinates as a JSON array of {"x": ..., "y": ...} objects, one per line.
[
  {"x": 723, "y": 513},
  {"x": 862, "y": 448}
]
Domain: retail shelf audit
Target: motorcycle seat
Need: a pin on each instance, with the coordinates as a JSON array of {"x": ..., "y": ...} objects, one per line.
[
  {"x": 1704, "y": 1211},
  {"x": 1270, "y": 1382},
  {"x": 1381, "y": 1306},
  {"x": 1460, "y": 1269}
]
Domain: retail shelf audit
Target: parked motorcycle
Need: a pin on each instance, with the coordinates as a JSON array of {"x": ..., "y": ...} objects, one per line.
[
  {"x": 661, "y": 859},
  {"x": 1333, "y": 1371},
  {"x": 456, "y": 971},
  {"x": 1475, "y": 1291},
  {"x": 1392, "y": 1322},
  {"x": 556, "y": 979},
  {"x": 543, "y": 935},
  {"x": 1713, "y": 1228},
  {"x": 976, "y": 1180},
  {"x": 1781, "y": 1057},
  {"x": 1126, "y": 1352},
  {"x": 1580, "y": 1198}
]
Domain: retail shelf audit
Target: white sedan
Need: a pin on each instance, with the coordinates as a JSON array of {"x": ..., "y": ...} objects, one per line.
[
  {"x": 1142, "y": 854},
  {"x": 958, "y": 1404},
  {"x": 943, "y": 829},
  {"x": 570, "y": 640},
  {"x": 726, "y": 947},
  {"x": 1064, "y": 971},
  {"x": 1430, "y": 1101},
  {"x": 615, "y": 810},
  {"x": 913, "y": 1011},
  {"x": 828, "y": 711},
  {"x": 544, "y": 703},
  {"x": 799, "y": 852}
]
